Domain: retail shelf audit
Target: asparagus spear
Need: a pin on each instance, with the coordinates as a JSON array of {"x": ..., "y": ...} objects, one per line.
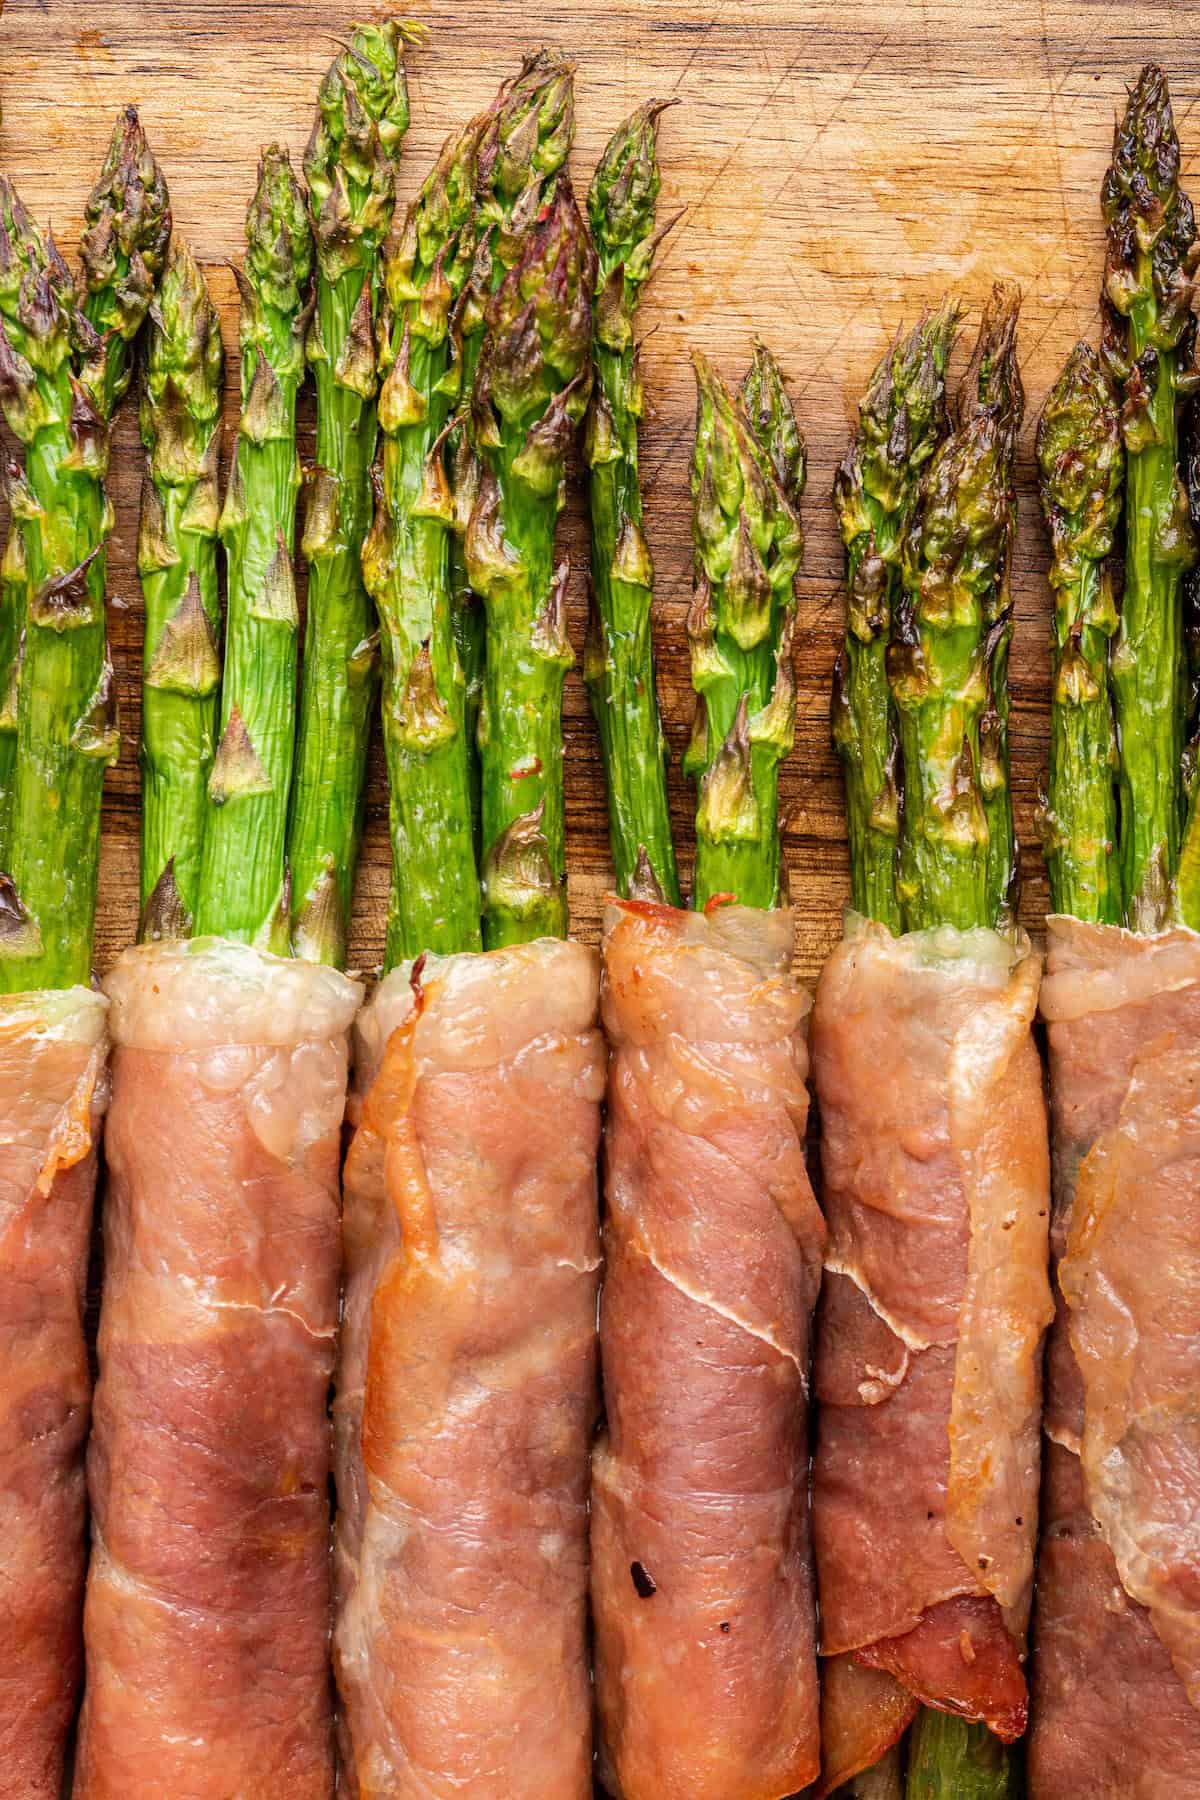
[
  {"x": 1187, "y": 879},
  {"x": 1080, "y": 468},
  {"x": 177, "y": 561},
  {"x": 619, "y": 662},
  {"x": 946, "y": 662},
  {"x": 949, "y": 1759},
  {"x": 435, "y": 889},
  {"x": 946, "y": 666},
  {"x": 127, "y": 229},
  {"x": 361, "y": 121},
  {"x": 902, "y": 418},
  {"x": 14, "y": 599},
  {"x": 64, "y": 363},
  {"x": 1147, "y": 330},
  {"x": 243, "y": 887},
  {"x": 530, "y": 391},
  {"x": 525, "y": 141},
  {"x": 747, "y": 478}
]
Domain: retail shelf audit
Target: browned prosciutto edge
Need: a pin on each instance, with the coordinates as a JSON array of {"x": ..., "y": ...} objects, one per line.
[
  {"x": 928, "y": 1352},
  {"x": 208, "y": 1602},
  {"x": 53, "y": 1049},
  {"x": 467, "y": 1391},
  {"x": 702, "y": 1587}
]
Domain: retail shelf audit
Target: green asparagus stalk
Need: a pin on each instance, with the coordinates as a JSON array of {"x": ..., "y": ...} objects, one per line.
[
  {"x": 947, "y": 658},
  {"x": 1080, "y": 469},
  {"x": 127, "y": 226},
  {"x": 525, "y": 141},
  {"x": 949, "y": 1759},
  {"x": 1187, "y": 879},
  {"x": 435, "y": 901},
  {"x": 531, "y": 389},
  {"x": 14, "y": 600},
  {"x": 947, "y": 669},
  {"x": 362, "y": 118},
  {"x": 995, "y": 379},
  {"x": 1147, "y": 292},
  {"x": 748, "y": 474},
  {"x": 619, "y": 662},
  {"x": 65, "y": 353},
  {"x": 243, "y": 887},
  {"x": 177, "y": 561},
  {"x": 902, "y": 418}
]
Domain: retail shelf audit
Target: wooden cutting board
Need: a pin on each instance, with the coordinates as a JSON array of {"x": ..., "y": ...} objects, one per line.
[{"x": 842, "y": 165}]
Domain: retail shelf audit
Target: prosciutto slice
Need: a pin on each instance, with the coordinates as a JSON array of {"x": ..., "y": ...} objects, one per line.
[
  {"x": 1117, "y": 1642},
  {"x": 466, "y": 1394},
  {"x": 928, "y": 1344},
  {"x": 208, "y": 1600},
  {"x": 702, "y": 1585},
  {"x": 52, "y": 1092}
]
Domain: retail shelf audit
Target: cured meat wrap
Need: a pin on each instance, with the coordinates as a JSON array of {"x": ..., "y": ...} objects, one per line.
[
  {"x": 929, "y": 1333},
  {"x": 702, "y": 1588},
  {"x": 208, "y": 1603},
  {"x": 1117, "y": 1626},
  {"x": 467, "y": 1383},
  {"x": 53, "y": 1087}
]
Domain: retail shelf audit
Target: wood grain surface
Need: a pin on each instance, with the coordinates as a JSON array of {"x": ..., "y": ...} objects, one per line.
[{"x": 842, "y": 166}]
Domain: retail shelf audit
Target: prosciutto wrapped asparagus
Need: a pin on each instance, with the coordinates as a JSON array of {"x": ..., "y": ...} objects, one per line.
[
  {"x": 53, "y": 1049},
  {"x": 209, "y": 1459},
  {"x": 65, "y": 357},
  {"x": 928, "y": 1349},
  {"x": 701, "y": 1578},
  {"x": 467, "y": 1391},
  {"x": 1117, "y": 1640},
  {"x": 208, "y": 1611}
]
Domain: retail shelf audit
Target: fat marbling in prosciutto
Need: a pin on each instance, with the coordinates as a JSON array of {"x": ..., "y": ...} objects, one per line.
[
  {"x": 702, "y": 1586},
  {"x": 1116, "y": 1670},
  {"x": 52, "y": 1092},
  {"x": 466, "y": 1393},
  {"x": 929, "y": 1335},
  {"x": 208, "y": 1601}
]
